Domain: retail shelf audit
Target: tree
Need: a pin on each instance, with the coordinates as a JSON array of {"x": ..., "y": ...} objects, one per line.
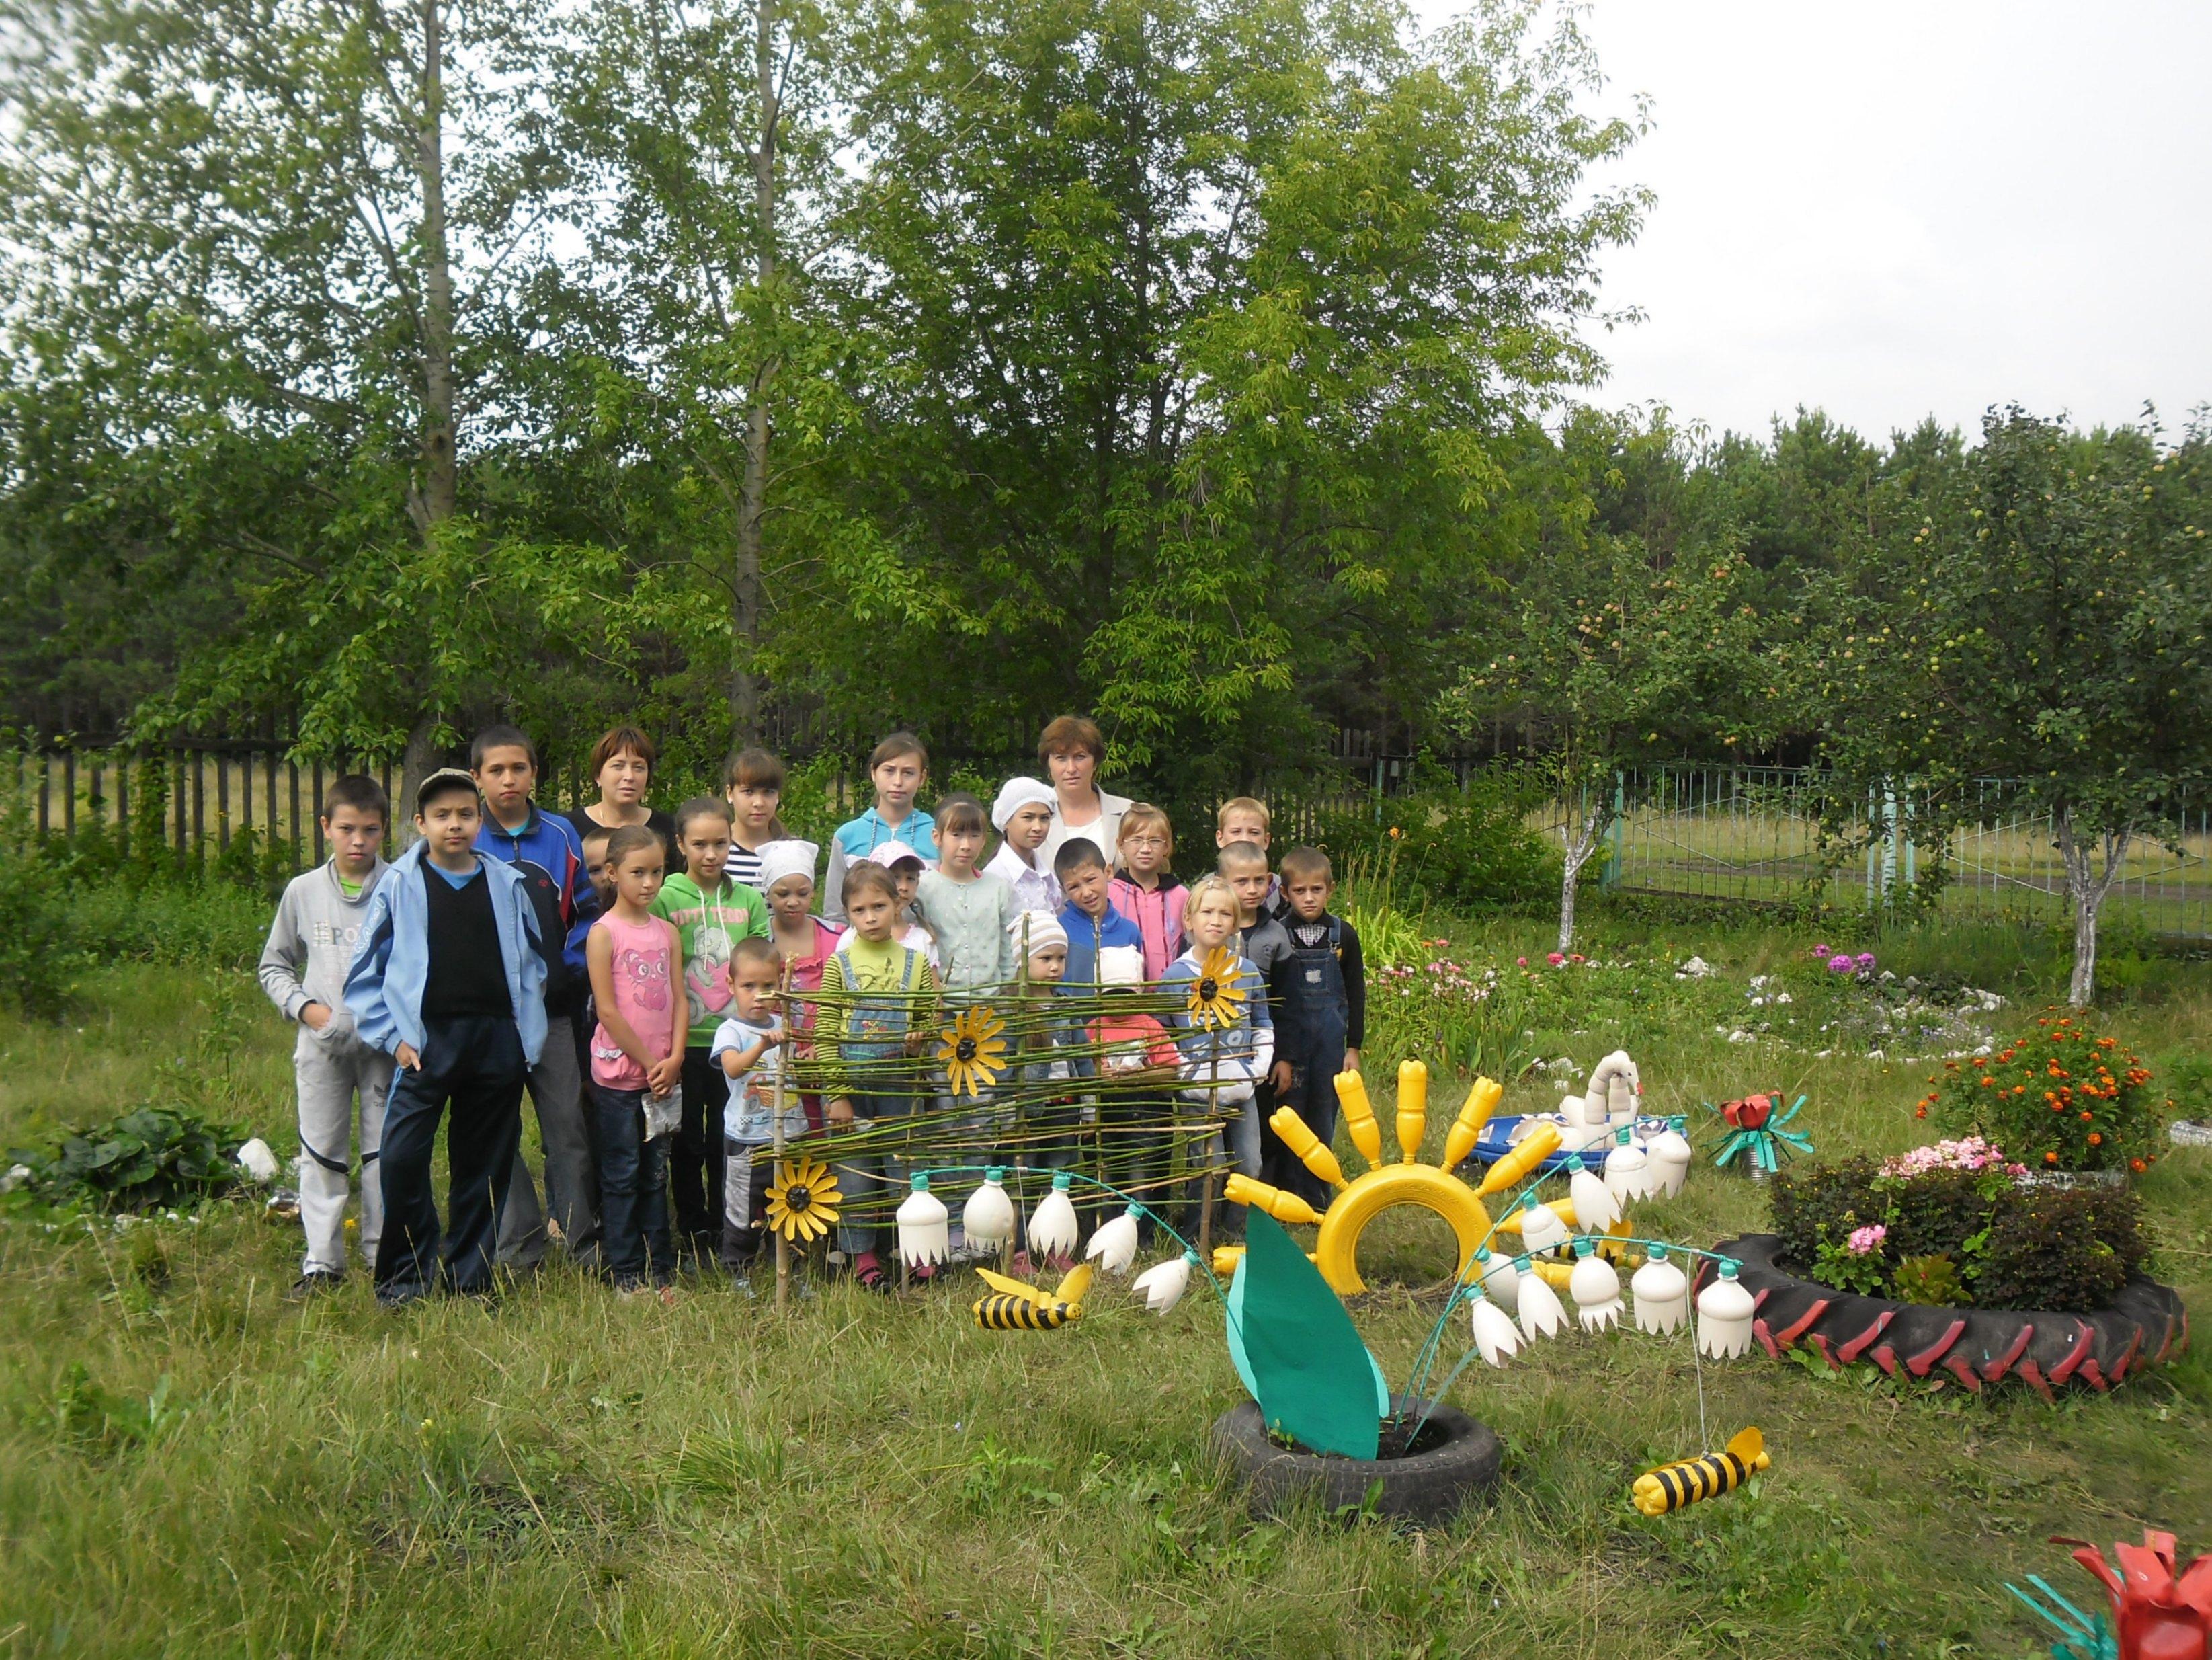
[
  {"x": 1606, "y": 656},
  {"x": 1206, "y": 333},
  {"x": 2047, "y": 625},
  {"x": 268, "y": 253}
]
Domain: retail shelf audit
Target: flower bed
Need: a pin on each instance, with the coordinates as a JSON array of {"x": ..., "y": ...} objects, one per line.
[
  {"x": 1952, "y": 1225},
  {"x": 2062, "y": 1096}
]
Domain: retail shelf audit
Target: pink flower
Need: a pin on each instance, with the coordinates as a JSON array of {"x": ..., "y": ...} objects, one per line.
[
  {"x": 1577, "y": 958},
  {"x": 1840, "y": 963},
  {"x": 1554, "y": 958},
  {"x": 1820, "y": 951},
  {"x": 1865, "y": 962},
  {"x": 1864, "y": 1241},
  {"x": 1520, "y": 962}
]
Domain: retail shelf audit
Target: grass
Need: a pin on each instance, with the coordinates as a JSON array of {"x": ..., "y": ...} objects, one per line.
[{"x": 188, "y": 1464}]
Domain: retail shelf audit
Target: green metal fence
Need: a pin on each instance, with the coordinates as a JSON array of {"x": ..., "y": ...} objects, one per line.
[{"x": 1752, "y": 833}]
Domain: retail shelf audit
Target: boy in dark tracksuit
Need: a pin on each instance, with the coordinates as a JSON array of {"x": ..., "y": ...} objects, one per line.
[
  {"x": 1319, "y": 990},
  {"x": 450, "y": 981}
]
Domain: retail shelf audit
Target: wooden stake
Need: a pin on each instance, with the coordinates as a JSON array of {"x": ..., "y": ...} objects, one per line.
[{"x": 782, "y": 1088}]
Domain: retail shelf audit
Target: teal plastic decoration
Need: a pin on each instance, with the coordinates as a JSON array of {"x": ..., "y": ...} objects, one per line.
[
  {"x": 1237, "y": 1358},
  {"x": 1301, "y": 1357},
  {"x": 1760, "y": 1131}
]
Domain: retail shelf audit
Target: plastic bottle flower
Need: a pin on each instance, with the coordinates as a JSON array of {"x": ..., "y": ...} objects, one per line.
[
  {"x": 804, "y": 1200},
  {"x": 1052, "y": 1228},
  {"x": 1595, "y": 1287},
  {"x": 1662, "y": 1291},
  {"x": 987, "y": 1218},
  {"x": 1542, "y": 1314},
  {"x": 1495, "y": 1337},
  {"x": 1114, "y": 1245},
  {"x": 924, "y": 1226},
  {"x": 1216, "y": 999},
  {"x": 1163, "y": 1283},
  {"x": 971, "y": 1051}
]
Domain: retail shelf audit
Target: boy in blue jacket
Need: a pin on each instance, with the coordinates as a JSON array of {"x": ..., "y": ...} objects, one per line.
[
  {"x": 450, "y": 981},
  {"x": 547, "y": 852}
]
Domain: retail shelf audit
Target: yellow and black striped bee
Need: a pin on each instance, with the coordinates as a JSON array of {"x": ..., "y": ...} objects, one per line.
[
  {"x": 1686, "y": 1480},
  {"x": 1017, "y": 1307}
]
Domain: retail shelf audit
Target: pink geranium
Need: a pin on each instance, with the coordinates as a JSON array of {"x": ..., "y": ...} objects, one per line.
[{"x": 1864, "y": 1241}]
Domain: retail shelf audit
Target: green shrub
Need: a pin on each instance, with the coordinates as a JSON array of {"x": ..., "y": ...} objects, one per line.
[
  {"x": 149, "y": 1157},
  {"x": 2069, "y": 1251},
  {"x": 1932, "y": 1281},
  {"x": 1957, "y": 1237},
  {"x": 1457, "y": 846},
  {"x": 2060, "y": 1096},
  {"x": 43, "y": 954}
]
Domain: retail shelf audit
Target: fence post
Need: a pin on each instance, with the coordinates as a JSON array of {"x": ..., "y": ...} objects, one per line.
[
  {"x": 1889, "y": 838},
  {"x": 1617, "y": 832},
  {"x": 69, "y": 792}
]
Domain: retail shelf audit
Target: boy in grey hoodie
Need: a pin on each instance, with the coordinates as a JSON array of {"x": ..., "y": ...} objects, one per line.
[{"x": 303, "y": 970}]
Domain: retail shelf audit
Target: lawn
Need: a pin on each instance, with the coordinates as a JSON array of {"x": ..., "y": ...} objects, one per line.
[{"x": 190, "y": 1464}]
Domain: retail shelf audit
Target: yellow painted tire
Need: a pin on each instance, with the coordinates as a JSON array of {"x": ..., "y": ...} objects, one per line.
[{"x": 1366, "y": 1197}]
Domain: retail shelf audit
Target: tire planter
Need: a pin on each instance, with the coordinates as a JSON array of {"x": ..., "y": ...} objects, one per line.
[
  {"x": 1458, "y": 1461},
  {"x": 2143, "y": 1326}
]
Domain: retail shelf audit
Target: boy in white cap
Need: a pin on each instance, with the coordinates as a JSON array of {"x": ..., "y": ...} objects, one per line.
[
  {"x": 804, "y": 940},
  {"x": 1022, "y": 815}
]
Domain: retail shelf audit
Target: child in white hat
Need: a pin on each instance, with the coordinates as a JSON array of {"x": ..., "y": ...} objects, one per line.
[{"x": 1022, "y": 815}]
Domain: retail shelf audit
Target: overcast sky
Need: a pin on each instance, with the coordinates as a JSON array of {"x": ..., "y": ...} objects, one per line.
[{"x": 1887, "y": 208}]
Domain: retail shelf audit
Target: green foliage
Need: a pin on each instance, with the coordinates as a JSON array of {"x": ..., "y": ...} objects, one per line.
[
  {"x": 148, "y": 1158},
  {"x": 1932, "y": 1281},
  {"x": 44, "y": 954},
  {"x": 2060, "y": 1249},
  {"x": 1460, "y": 849},
  {"x": 100, "y": 1420},
  {"x": 2042, "y": 619},
  {"x": 2061, "y": 1095},
  {"x": 2001, "y": 1245}
]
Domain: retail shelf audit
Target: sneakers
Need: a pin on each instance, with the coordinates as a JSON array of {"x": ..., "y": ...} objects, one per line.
[
  {"x": 313, "y": 1284},
  {"x": 868, "y": 1274}
]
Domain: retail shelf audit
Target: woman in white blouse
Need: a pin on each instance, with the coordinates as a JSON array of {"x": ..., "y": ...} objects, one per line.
[{"x": 1069, "y": 752}]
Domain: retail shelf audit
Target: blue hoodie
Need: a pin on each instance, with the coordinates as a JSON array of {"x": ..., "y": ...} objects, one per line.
[
  {"x": 384, "y": 987},
  {"x": 551, "y": 843},
  {"x": 1085, "y": 941}
]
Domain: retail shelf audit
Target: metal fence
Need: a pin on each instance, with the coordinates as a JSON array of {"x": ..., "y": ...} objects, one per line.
[
  {"x": 1752, "y": 834},
  {"x": 1720, "y": 833}
]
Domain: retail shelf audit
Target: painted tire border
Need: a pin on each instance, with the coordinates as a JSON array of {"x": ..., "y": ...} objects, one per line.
[{"x": 2146, "y": 1325}]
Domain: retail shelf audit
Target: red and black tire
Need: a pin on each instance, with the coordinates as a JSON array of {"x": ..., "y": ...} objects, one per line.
[{"x": 2145, "y": 1326}]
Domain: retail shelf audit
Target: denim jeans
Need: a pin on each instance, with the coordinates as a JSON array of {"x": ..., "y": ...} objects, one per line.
[
  {"x": 634, "y": 1240},
  {"x": 472, "y": 1063}
]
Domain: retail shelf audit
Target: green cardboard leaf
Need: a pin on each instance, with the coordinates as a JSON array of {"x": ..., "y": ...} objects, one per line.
[
  {"x": 1244, "y": 1364},
  {"x": 1302, "y": 1358}
]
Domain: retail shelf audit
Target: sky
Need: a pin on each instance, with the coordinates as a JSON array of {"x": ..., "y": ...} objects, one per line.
[{"x": 1888, "y": 210}]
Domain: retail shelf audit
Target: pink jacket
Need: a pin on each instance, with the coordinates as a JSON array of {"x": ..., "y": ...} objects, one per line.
[{"x": 1158, "y": 917}]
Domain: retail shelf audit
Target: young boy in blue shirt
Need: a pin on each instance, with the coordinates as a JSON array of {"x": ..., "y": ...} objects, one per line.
[
  {"x": 450, "y": 981},
  {"x": 1089, "y": 916}
]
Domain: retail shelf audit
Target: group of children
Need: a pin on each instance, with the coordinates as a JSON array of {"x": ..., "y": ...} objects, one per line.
[{"x": 634, "y": 979}]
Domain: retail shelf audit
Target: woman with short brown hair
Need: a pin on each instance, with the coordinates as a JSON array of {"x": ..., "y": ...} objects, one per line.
[
  {"x": 622, "y": 767},
  {"x": 1070, "y": 751}
]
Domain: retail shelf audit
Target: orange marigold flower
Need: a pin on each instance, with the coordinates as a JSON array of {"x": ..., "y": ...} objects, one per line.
[
  {"x": 2049, "y": 1157},
  {"x": 2088, "y": 1118},
  {"x": 1920, "y": 1111},
  {"x": 2096, "y": 1139},
  {"x": 2137, "y": 1166}
]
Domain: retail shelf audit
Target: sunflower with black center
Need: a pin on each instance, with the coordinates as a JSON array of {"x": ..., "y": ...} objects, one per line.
[
  {"x": 1216, "y": 999},
  {"x": 803, "y": 1201},
  {"x": 971, "y": 1051}
]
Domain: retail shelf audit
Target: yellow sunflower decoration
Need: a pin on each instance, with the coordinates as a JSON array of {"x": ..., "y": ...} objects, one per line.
[
  {"x": 803, "y": 1199},
  {"x": 971, "y": 1051},
  {"x": 1216, "y": 999}
]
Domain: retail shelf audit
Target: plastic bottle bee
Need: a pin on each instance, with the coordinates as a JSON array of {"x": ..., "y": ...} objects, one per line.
[
  {"x": 1686, "y": 1480},
  {"x": 1014, "y": 1306}
]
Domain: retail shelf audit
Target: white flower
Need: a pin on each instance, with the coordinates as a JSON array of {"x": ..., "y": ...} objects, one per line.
[{"x": 1163, "y": 1284}]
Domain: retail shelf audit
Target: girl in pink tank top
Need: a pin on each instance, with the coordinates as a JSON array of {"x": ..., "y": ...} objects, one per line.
[
  {"x": 642, "y": 960},
  {"x": 636, "y": 961}
]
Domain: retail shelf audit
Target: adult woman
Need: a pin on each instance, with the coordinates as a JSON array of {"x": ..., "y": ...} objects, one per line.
[
  {"x": 1070, "y": 751},
  {"x": 622, "y": 767}
]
